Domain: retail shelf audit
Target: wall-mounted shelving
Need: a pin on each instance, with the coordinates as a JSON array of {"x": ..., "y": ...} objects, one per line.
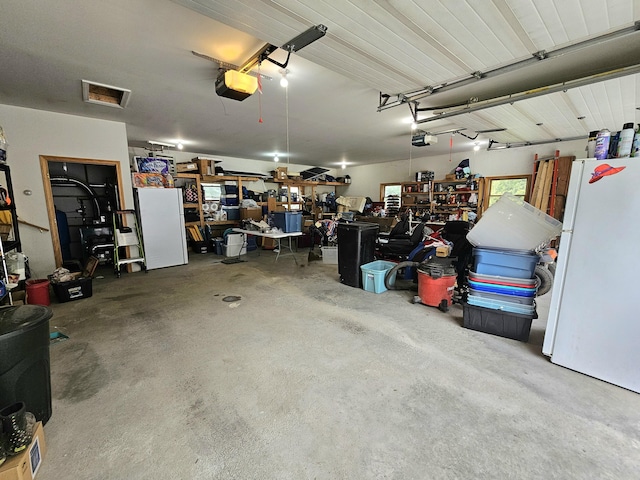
[{"x": 441, "y": 200}]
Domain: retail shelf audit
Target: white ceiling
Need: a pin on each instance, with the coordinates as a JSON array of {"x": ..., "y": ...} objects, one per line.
[{"x": 330, "y": 113}]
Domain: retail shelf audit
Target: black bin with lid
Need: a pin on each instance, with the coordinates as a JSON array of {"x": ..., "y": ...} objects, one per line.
[{"x": 25, "y": 374}]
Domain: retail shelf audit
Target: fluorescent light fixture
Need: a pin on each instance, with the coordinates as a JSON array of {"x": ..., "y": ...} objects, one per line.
[{"x": 161, "y": 144}]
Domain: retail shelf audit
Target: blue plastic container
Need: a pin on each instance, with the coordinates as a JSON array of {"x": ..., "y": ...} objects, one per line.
[
  {"x": 373, "y": 274},
  {"x": 503, "y": 289},
  {"x": 502, "y": 306},
  {"x": 288, "y": 221},
  {"x": 233, "y": 213},
  {"x": 505, "y": 263},
  {"x": 501, "y": 297}
]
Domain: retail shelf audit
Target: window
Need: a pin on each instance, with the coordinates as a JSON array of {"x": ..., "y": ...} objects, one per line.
[
  {"x": 390, "y": 195},
  {"x": 516, "y": 185}
]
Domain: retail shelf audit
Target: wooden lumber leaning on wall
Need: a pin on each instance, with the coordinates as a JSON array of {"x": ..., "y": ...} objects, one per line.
[
  {"x": 538, "y": 183},
  {"x": 546, "y": 186}
]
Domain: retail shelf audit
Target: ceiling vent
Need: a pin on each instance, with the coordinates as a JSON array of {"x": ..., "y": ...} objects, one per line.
[{"x": 102, "y": 94}]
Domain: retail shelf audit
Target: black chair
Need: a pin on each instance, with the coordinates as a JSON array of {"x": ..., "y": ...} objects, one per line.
[{"x": 400, "y": 242}]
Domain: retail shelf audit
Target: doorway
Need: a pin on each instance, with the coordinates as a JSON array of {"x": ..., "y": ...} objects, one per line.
[{"x": 81, "y": 195}]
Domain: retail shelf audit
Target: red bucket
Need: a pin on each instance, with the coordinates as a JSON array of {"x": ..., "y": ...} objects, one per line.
[
  {"x": 38, "y": 292},
  {"x": 434, "y": 291}
]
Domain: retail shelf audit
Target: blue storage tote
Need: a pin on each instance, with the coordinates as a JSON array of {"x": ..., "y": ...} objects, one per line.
[
  {"x": 503, "y": 289},
  {"x": 288, "y": 221},
  {"x": 500, "y": 305},
  {"x": 233, "y": 213},
  {"x": 496, "y": 280},
  {"x": 373, "y": 274},
  {"x": 229, "y": 200},
  {"x": 505, "y": 263},
  {"x": 501, "y": 297}
]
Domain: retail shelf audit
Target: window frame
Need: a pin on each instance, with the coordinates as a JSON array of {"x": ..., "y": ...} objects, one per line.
[{"x": 486, "y": 194}]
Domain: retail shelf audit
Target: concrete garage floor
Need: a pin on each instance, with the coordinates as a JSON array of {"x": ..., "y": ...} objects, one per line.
[{"x": 305, "y": 378}]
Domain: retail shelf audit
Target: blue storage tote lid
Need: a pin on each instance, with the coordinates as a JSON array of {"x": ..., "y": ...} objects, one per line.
[
  {"x": 496, "y": 279},
  {"x": 501, "y": 297},
  {"x": 503, "y": 289}
]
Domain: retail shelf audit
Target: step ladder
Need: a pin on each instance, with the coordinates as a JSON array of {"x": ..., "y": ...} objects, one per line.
[{"x": 127, "y": 237}]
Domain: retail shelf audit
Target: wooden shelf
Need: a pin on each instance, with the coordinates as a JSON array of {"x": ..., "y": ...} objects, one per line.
[
  {"x": 457, "y": 192},
  {"x": 411, "y": 199},
  {"x": 222, "y": 222},
  {"x": 308, "y": 183},
  {"x": 227, "y": 178}
]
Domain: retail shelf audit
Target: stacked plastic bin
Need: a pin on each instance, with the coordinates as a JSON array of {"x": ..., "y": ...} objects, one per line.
[
  {"x": 501, "y": 295},
  {"x": 502, "y": 285}
]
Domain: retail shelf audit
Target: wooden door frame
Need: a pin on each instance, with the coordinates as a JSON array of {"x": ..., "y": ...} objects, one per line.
[{"x": 48, "y": 193}]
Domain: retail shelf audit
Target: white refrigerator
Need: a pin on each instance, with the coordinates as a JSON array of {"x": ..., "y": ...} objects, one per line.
[
  {"x": 161, "y": 215},
  {"x": 594, "y": 315}
]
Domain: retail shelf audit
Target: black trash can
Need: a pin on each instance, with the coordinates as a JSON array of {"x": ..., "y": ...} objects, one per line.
[
  {"x": 25, "y": 374},
  {"x": 356, "y": 246}
]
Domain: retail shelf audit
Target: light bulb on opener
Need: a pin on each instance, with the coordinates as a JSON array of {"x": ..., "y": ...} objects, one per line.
[{"x": 284, "y": 82}]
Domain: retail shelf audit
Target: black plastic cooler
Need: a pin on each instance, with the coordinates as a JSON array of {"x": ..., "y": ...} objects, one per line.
[
  {"x": 356, "y": 246},
  {"x": 24, "y": 358}
]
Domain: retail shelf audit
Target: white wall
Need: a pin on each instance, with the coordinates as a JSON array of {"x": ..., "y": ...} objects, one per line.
[
  {"x": 366, "y": 180},
  {"x": 31, "y": 133}
]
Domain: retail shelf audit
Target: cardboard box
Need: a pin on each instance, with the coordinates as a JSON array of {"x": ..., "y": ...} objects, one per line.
[
  {"x": 450, "y": 176},
  {"x": 253, "y": 213},
  {"x": 281, "y": 173},
  {"x": 188, "y": 167},
  {"x": 25, "y": 465}
]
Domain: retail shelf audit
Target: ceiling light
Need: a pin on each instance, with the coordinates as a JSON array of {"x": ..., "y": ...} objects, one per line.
[
  {"x": 161, "y": 144},
  {"x": 284, "y": 82},
  {"x": 180, "y": 146},
  {"x": 275, "y": 158},
  {"x": 344, "y": 165},
  {"x": 414, "y": 125},
  {"x": 476, "y": 147}
]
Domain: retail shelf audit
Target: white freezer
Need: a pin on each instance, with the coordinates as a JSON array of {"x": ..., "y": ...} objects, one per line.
[
  {"x": 594, "y": 316},
  {"x": 162, "y": 223}
]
